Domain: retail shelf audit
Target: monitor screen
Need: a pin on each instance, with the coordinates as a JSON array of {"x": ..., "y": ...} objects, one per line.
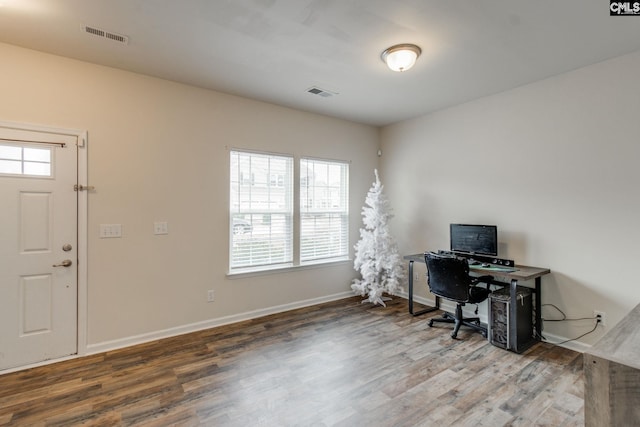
[{"x": 474, "y": 239}]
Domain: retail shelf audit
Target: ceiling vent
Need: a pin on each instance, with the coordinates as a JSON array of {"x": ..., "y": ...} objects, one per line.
[
  {"x": 321, "y": 92},
  {"x": 98, "y": 32}
]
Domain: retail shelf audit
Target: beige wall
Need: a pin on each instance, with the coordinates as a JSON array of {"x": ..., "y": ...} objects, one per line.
[
  {"x": 158, "y": 151},
  {"x": 554, "y": 164}
]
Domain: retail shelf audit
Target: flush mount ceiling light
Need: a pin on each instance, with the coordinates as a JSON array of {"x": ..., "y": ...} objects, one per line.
[{"x": 401, "y": 57}]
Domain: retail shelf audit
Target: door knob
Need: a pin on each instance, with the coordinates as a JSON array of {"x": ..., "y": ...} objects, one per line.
[{"x": 65, "y": 263}]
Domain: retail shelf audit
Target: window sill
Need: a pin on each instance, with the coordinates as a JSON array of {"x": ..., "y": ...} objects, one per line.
[{"x": 287, "y": 268}]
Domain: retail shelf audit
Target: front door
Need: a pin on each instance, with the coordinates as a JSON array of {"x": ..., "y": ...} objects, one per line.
[{"x": 38, "y": 246}]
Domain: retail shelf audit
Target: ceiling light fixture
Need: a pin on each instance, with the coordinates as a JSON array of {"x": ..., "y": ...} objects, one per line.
[{"x": 401, "y": 57}]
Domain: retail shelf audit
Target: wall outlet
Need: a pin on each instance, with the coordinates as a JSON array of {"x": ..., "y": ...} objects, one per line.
[
  {"x": 603, "y": 317},
  {"x": 210, "y": 295}
]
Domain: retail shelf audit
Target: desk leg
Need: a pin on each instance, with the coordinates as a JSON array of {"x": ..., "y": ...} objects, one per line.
[
  {"x": 525, "y": 343},
  {"x": 513, "y": 315},
  {"x": 538, "y": 309},
  {"x": 426, "y": 310}
]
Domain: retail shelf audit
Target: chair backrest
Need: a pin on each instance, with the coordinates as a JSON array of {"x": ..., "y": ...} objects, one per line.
[{"x": 448, "y": 276}]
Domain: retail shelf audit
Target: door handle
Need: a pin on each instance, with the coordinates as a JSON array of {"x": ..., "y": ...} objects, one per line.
[{"x": 65, "y": 263}]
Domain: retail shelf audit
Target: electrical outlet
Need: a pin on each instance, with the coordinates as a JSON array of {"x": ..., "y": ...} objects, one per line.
[
  {"x": 210, "y": 295},
  {"x": 603, "y": 317}
]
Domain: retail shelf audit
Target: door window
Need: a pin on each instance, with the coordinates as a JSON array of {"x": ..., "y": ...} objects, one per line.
[{"x": 24, "y": 160}]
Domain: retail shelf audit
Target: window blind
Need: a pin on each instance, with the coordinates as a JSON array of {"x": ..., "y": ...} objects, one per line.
[
  {"x": 324, "y": 210},
  {"x": 261, "y": 204}
]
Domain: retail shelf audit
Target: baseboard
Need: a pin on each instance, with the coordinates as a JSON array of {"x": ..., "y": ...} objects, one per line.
[
  {"x": 207, "y": 324},
  {"x": 571, "y": 345}
]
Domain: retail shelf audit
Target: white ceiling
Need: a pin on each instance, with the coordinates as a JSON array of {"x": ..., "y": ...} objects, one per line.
[{"x": 274, "y": 50}]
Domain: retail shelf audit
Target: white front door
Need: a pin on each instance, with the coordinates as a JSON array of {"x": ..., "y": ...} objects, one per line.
[{"x": 38, "y": 246}]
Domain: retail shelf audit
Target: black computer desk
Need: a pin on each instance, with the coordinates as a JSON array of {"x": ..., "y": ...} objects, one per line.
[{"x": 511, "y": 277}]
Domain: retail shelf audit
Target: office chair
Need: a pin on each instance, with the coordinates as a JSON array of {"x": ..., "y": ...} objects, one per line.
[{"x": 448, "y": 278}]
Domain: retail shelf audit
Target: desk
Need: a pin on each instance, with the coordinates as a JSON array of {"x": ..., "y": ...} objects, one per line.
[{"x": 521, "y": 273}]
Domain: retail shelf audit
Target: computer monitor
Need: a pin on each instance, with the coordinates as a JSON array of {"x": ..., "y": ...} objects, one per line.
[{"x": 474, "y": 239}]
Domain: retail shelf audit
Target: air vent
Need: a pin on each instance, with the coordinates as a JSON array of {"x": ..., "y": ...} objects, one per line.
[
  {"x": 98, "y": 32},
  {"x": 321, "y": 92}
]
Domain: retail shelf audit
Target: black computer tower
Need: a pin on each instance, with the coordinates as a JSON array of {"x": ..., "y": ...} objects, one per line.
[{"x": 500, "y": 323}]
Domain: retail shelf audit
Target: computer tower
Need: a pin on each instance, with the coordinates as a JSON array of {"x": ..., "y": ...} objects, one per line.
[{"x": 514, "y": 334}]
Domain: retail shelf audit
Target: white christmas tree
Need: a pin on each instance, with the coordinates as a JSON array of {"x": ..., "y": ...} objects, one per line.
[{"x": 377, "y": 256}]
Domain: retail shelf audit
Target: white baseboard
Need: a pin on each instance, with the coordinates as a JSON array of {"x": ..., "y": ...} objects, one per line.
[
  {"x": 207, "y": 324},
  {"x": 571, "y": 345}
]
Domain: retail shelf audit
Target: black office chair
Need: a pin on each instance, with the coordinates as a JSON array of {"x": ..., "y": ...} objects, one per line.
[{"x": 448, "y": 277}]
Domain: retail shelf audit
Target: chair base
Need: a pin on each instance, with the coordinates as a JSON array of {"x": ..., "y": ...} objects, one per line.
[{"x": 458, "y": 321}]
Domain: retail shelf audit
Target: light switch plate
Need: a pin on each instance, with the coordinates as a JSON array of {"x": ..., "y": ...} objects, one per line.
[
  {"x": 110, "y": 231},
  {"x": 160, "y": 227}
]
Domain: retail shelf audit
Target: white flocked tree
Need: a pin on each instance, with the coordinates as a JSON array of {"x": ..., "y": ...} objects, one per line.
[{"x": 377, "y": 256}]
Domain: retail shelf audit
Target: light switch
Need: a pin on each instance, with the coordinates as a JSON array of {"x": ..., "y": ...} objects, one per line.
[
  {"x": 160, "y": 227},
  {"x": 109, "y": 231}
]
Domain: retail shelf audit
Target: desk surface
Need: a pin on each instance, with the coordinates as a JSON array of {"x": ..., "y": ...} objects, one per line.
[{"x": 522, "y": 272}]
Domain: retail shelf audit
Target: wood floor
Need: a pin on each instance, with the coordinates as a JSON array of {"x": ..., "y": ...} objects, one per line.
[{"x": 337, "y": 364}]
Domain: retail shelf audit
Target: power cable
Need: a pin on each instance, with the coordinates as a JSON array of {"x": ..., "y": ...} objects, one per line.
[{"x": 564, "y": 317}]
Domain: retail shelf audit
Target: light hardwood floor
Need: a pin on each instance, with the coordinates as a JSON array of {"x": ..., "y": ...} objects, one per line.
[{"x": 337, "y": 364}]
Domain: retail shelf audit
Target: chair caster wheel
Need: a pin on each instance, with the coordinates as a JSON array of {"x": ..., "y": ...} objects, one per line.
[
  {"x": 454, "y": 336},
  {"x": 430, "y": 323}
]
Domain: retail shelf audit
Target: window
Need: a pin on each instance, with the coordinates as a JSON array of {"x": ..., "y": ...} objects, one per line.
[
  {"x": 324, "y": 210},
  {"x": 25, "y": 160},
  {"x": 261, "y": 203},
  {"x": 263, "y": 213}
]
